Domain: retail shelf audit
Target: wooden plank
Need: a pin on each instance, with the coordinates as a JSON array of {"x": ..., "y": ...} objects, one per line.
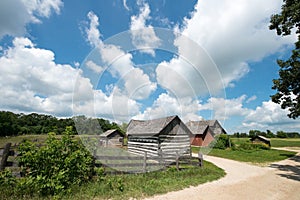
[
  {"x": 118, "y": 157},
  {"x": 177, "y": 159},
  {"x": 153, "y": 150},
  {"x": 174, "y": 146},
  {"x": 141, "y": 152},
  {"x": 5, "y": 156},
  {"x": 145, "y": 162},
  {"x": 1, "y": 152},
  {"x": 141, "y": 149},
  {"x": 143, "y": 144}
]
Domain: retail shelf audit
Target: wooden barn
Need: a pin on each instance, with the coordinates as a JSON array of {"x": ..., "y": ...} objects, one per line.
[
  {"x": 261, "y": 139},
  {"x": 159, "y": 137},
  {"x": 111, "y": 138},
  {"x": 204, "y": 132}
]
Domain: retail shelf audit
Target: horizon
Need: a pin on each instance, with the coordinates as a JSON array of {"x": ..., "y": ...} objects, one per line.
[{"x": 121, "y": 59}]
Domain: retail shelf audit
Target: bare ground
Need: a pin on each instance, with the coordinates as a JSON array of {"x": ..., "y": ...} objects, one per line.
[{"x": 279, "y": 180}]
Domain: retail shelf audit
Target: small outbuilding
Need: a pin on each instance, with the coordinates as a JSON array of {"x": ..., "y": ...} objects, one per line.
[
  {"x": 158, "y": 137},
  {"x": 261, "y": 139},
  {"x": 204, "y": 132},
  {"x": 112, "y": 137}
]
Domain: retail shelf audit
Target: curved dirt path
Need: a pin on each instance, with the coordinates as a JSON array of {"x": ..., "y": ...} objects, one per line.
[{"x": 280, "y": 180}]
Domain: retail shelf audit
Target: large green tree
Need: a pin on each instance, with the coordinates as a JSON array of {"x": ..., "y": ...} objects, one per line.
[{"x": 288, "y": 83}]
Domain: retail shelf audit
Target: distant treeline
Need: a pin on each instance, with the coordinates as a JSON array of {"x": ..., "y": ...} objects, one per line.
[
  {"x": 268, "y": 134},
  {"x": 19, "y": 124}
]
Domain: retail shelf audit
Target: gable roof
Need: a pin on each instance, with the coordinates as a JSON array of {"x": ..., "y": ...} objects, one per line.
[
  {"x": 109, "y": 132},
  {"x": 196, "y": 127},
  {"x": 150, "y": 127},
  {"x": 261, "y": 138},
  {"x": 199, "y": 127}
]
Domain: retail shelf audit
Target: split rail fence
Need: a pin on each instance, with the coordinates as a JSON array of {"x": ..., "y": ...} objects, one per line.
[{"x": 113, "y": 164}]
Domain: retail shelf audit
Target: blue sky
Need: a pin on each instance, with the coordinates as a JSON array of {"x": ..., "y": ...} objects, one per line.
[{"x": 126, "y": 59}]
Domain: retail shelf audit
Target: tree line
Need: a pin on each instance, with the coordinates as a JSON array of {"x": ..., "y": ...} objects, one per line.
[
  {"x": 12, "y": 124},
  {"x": 268, "y": 134}
]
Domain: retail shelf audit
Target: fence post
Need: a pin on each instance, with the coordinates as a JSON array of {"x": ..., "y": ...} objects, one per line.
[
  {"x": 5, "y": 156},
  {"x": 200, "y": 158},
  {"x": 177, "y": 160},
  {"x": 145, "y": 162}
]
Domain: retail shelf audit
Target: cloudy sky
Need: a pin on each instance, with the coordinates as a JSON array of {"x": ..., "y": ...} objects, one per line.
[{"x": 124, "y": 59}]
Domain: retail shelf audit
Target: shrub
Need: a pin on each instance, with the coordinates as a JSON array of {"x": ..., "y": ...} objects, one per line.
[
  {"x": 252, "y": 146},
  {"x": 222, "y": 142},
  {"x": 7, "y": 179},
  {"x": 55, "y": 167}
]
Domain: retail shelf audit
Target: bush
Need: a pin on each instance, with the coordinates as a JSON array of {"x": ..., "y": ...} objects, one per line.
[
  {"x": 53, "y": 168},
  {"x": 252, "y": 146},
  {"x": 7, "y": 179},
  {"x": 222, "y": 142}
]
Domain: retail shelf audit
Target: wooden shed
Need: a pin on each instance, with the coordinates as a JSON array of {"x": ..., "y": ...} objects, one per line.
[
  {"x": 158, "y": 137},
  {"x": 261, "y": 139},
  {"x": 112, "y": 137},
  {"x": 204, "y": 132}
]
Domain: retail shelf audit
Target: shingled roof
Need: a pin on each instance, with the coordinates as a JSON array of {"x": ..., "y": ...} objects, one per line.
[
  {"x": 199, "y": 127},
  {"x": 149, "y": 127},
  {"x": 108, "y": 133},
  {"x": 196, "y": 127}
]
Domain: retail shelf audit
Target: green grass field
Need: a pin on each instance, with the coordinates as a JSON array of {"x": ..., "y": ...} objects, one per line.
[
  {"x": 144, "y": 185},
  {"x": 290, "y": 142},
  {"x": 253, "y": 156},
  {"x": 257, "y": 156},
  {"x": 18, "y": 139},
  {"x": 275, "y": 142}
]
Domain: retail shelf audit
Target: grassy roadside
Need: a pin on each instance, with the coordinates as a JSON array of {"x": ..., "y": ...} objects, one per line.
[
  {"x": 137, "y": 186},
  {"x": 145, "y": 185},
  {"x": 254, "y": 156},
  {"x": 126, "y": 186}
]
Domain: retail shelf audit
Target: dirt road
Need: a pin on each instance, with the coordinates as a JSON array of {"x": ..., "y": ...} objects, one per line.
[{"x": 280, "y": 180}]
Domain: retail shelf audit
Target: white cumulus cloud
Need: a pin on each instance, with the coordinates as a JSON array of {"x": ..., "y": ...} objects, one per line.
[
  {"x": 94, "y": 67},
  {"x": 143, "y": 36},
  {"x": 31, "y": 80},
  {"x": 232, "y": 33},
  {"x": 119, "y": 63},
  {"x": 166, "y": 105},
  {"x": 16, "y": 14}
]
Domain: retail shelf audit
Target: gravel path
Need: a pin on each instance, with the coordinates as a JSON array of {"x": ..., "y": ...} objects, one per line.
[{"x": 280, "y": 180}]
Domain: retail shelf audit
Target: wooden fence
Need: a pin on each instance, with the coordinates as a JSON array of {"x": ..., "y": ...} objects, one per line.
[
  {"x": 8, "y": 157},
  {"x": 142, "y": 164},
  {"x": 114, "y": 163}
]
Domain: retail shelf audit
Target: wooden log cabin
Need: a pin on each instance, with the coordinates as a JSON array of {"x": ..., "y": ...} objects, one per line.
[
  {"x": 204, "y": 132},
  {"x": 112, "y": 137},
  {"x": 159, "y": 137}
]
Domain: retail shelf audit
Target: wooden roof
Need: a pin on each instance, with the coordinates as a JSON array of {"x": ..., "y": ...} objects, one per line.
[
  {"x": 199, "y": 127},
  {"x": 150, "y": 127},
  {"x": 262, "y": 138},
  {"x": 196, "y": 127},
  {"x": 109, "y": 132}
]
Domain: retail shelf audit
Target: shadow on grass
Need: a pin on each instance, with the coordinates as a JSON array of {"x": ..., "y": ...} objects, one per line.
[{"x": 289, "y": 171}]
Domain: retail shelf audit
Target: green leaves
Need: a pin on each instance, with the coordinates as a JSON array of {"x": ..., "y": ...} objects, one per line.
[
  {"x": 56, "y": 166},
  {"x": 288, "y": 85}
]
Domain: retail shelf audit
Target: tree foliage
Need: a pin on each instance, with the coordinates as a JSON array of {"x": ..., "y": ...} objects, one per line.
[
  {"x": 288, "y": 83},
  {"x": 55, "y": 167},
  {"x": 20, "y": 124},
  {"x": 223, "y": 142}
]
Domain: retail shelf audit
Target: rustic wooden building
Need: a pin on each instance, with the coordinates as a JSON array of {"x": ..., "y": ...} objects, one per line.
[
  {"x": 204, "y": 132},
  {"x": 261, "y": 139},
  {"x": 164, "y": 136},
  {"x": 111, "y": 138}
]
